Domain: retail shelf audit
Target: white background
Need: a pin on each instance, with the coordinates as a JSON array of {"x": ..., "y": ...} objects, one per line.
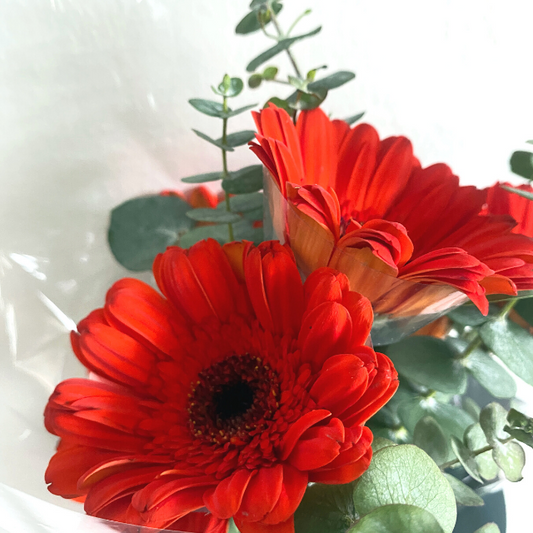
[{"x": 93, "y": 110}]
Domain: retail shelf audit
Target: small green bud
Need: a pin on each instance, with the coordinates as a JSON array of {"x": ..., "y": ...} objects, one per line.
[{"x": 255, "y": 80}]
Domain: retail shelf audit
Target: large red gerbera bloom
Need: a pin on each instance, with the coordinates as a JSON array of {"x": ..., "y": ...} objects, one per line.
[
  {"x": 355, "y": 200},
  {"x": 229, "y": 393}
]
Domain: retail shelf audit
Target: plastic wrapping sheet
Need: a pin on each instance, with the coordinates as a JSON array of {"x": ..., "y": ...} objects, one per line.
[{"x": 401, "y": 307}]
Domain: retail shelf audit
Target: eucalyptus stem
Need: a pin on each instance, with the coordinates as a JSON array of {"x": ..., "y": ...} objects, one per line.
[
  {"x": 293, "y": 25},
  {"x": 474, "y": 344},
  {"x": 475, "y": 453},
  {"x": 506, "y": 309},
  {"x": 281, "y": 35},
  {"x": 225, "y": 173}
]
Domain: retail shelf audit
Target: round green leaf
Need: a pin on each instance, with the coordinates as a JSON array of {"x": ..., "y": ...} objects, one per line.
[
  {"x": 510, "y": 457},
  {"x": 325, "y": 508},
  {"x": 231, "y": 87},
  {"x": 143, "y": 227},
  {"x": 466, "y": 458},
  {"x": 520, "y": 427},
  {"x": 512, "y": 344},
  {"x": 250, "y": 22},
  {"x": 255, "y": 81},
  {"x": 430, "y": 362},
  {"x": 475, "y": 440},
  {"x": 493, "y": 419},
  {"x": 270, "y": 73},
  {"x": 381, "y": 442},
  {"x": 522, "y": 164},
  {"x": 405, "y": 474},
  {"x": 246, "y": 180},
  {"x": 429, "y": 436},
  {"x": 464, "y": 495},
  {"x": 490, "y": 374},
  {"x": 397, "y": 519},
  {"x": 243, "y": 203}
]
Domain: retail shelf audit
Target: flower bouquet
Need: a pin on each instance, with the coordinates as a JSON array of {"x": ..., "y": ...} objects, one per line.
[{"x": 304, "y": 351}]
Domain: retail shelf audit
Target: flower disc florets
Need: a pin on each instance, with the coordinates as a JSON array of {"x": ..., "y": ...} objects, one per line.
[{"x": 224, "y": 398}]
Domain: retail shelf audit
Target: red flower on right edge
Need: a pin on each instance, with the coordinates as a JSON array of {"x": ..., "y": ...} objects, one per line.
[{"x": 355, "y": 201}]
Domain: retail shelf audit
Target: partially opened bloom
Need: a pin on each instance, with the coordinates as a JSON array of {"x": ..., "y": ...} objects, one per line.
[
  {"x": 356, "y": 201},
  {"x": 222, "y": 398}
]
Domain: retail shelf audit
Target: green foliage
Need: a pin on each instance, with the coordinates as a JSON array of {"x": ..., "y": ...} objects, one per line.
[
  {"x": 469, "y": 315},
  {"x": 520, "y": 427},
  {"x": 354, "y": 118},
  {"x": 208, "y": 107},
  {"x": 143, "y": 227},
  {"x": 512, "y": 344},
  {"x": 522, "y": 164},
  {"x": 430, "y": 362},
  {"x": 255, "y": 81},
  {"x": 466, "y": 458},
  {"x": 492, "y": 420},
  {"x": 281, "y": 46},
  {"x": 218, "y": 216},
  {"x": 397, "y": 518},
  {"x": 325, "y": 508},
  {"x": 524, "y": 307},
  {"x": 475, "y": 440},
  {"x": 510, "y": 457},
  {"x": 244, "y": 203},
  {"x": 252, "y": 21},
  {"x": 406, "y": 475},
  {"x": 488, "y": 372},
  {"x": 230, "y": 87},
  {"x": 331, "y": 82},
  {"x": 216, "y": 142},
  {"x": 464, "y": 495},
  {"x": 520, "y": 192},
  {"x": 203, "y": 178},
  {"x": 429, "y": 436},
  {"x": 246, "y": 180},
  {"x": 270, "y": 73}
]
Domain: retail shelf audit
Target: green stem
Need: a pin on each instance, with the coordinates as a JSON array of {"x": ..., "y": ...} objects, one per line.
[
  {"x": 474, "y": 344},
  {"x": 506, "y": 309},
  {"x": 225, "y": 173},
  {"x": 293, "y": 25},
  {"x": 475, "y": 453},
  {"x": 282, "y": 36}
]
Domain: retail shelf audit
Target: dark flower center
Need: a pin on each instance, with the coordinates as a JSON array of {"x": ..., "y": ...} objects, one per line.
[{"x": 232, "y": 398}]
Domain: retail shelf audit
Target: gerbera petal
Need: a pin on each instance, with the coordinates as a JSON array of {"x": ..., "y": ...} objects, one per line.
[
  {"x": 262, "y": 493},
  {"x": 136, "y": 309},
  {"x": 225, "y": 500},
  {"x": 326, "y": 331},
  {"x": 292, "y": 492},
  {"x": 325, "y": 284},
  {"x": 259, "y": 527}
]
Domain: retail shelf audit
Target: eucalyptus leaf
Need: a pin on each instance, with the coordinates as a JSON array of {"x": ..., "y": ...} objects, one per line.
[
  {"x": 430, "y": 362},
  {"x": 305, "y": 102},
  {"x": 255, "y": 81},
  {"x": 471, "y": 407},
  {"x": 208, "y": 107},
  {"x": 381, "y": 442},
  {"x": 270, "y": 73},
  {"x": 397, "y": 518},
  {"x": 492, "y": 420},
  {"x": 429, "y": 436},
  {"x": 475, "y": 440},
  {"x": 143, "y": 227},
  {"x": 325, "y": 508},
  {"x": 354, "y": 118},
  {"x": 250, "y": 23},
  {"x": 331, "y": 82},
  {"x": 464, "y": 495},
  {"x": 466, "y": 458},
  {"x": 231, "y": 87},
  {"x": 520, "y": 427},
  {"x": 246, "y": 180},
  {"x": 510, "y": 457},
  {"x": 255, "y": 214},
  {"x": 216, "y": 142},
  {"x": 522, "y": 164},
  {"x": 491, "y": 527},
  {"x": 218, "y": 216},
  {"x": 468, "y": 315},
  {"x": 281, "y": 46},
  {"x": 233, "y": 112},
  {"x": 490, "y": 374},
  {"x": 512, "y": 344},
  {"x": 405, "y": 474},
  {"x": 524, "y": 308},
  {"x": 203, "y": 178},
  {"x": 239, "y": 138},
  {"x": 243, "y": 203}
]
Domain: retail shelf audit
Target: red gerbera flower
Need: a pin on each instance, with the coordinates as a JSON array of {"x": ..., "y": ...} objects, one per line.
[
  {"x": 502, "y": 202},
  {"x": 231, "y": 392},
  {"x": 356, "y": 201}
]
